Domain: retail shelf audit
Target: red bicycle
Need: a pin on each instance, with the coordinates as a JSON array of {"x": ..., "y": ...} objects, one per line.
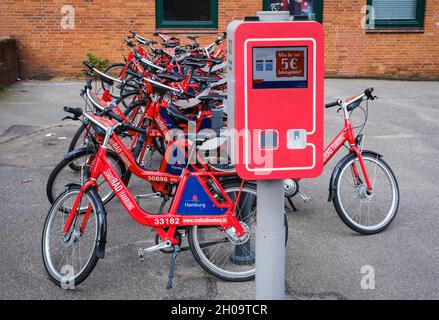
[
  {"x": 167, "y": 58},
  {"x": 363, "y": 187},
  {"x": 217, "y": 209}
]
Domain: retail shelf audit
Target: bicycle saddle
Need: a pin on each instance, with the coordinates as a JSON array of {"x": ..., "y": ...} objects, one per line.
[
  {"x": 173, "y": 77},
  {"x": 202, "y": 79},
  {"x": 170, "y": 44},
  {"x": 176, "y": 114},
  {"x": 194, "y": 64},
  {"x": 194, "y": 37},
  {"x": 196, "y": 59},
  {"x": 212, "y": 97},
  {"x": 215, "y": 60}
]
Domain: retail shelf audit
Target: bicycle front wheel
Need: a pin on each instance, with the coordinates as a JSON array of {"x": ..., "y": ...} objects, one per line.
[
  {"x": 362, "y": 211},
  {"x": 70, "y": 257}
]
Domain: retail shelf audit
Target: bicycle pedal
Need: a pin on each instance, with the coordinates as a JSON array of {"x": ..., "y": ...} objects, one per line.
[
  {"x": 140, "y": 253},
  {"x": 149, "y": 195},
  {"x": 305, "y": 198}
]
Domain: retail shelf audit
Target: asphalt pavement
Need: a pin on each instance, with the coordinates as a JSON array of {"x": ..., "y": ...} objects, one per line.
[{"x": 324, "y": 257}]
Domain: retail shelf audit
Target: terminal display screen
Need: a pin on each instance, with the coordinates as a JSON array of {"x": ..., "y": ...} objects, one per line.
[{"x": 280, "y": 67}]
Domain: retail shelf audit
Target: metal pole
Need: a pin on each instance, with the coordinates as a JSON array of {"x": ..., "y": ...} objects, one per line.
[
  {"x": 270, "y": 241},
  {"x": 270, "y": 228}
]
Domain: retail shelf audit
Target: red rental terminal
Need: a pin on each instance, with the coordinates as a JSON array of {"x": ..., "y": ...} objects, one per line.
[{"x": 275, "y": 97}]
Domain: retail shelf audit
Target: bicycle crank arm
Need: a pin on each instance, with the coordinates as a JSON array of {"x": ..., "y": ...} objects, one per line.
[{"x": 162, "y": 245}]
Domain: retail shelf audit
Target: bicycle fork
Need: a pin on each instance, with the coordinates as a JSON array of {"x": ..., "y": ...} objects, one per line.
[
  {"x": 75, "y": 208},
  {"x": 363, "y": 169}
]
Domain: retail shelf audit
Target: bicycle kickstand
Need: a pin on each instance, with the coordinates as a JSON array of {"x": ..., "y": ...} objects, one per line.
[
  {"x": 174, "y": 255},
  {"x": 292, "y": 204}
]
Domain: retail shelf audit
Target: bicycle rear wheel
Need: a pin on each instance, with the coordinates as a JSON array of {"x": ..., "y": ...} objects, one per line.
[
  {"x": 115, "y": 71},
  {"x": 62, "y": 174},
  {"x": 363, "y": 212},
  {"x": 80, "y": 140},
  {"x": 220, "y": 254}
]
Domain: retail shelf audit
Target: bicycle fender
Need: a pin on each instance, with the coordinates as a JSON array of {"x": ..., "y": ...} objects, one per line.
[
  {"x": 228, "y": 179},
  {"x": 102, "y": 220},
  {"x": 86, "y": 150},
  {"x": 332, "y": 186}
]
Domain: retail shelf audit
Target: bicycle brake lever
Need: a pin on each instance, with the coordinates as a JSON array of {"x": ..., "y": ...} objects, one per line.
[{"x": 338, "y": 110}]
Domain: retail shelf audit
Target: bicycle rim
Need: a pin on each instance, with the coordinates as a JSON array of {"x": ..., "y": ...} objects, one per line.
[
  {"x": 68, "y": 258},
  {"x": 218, "y": 253},
  {"x": 368, "y": 212},
  {"x": 115, "y": 71}
]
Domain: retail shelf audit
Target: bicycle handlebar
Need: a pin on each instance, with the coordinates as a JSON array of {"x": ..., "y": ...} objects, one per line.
[
  {"x": 88, "y": 64},
  {"x": 112, "y": 115},
  {"x": 368, "y": 93},
  {"x": 221, "y": 38},
  {"x": 333, "y": 104},
  {"x": 140, "y": 76},
  {"x": 77, "y": 112},
  {"x": 129, "y": 127},
  {"x": 102, "y": 75},
  {"x": 129, "y": 43},
  {"x": 134, "y": 74},
  {"x": 147, "y": 62}
]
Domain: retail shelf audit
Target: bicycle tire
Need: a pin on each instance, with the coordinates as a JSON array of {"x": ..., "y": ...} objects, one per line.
[
  {"x": 98, "y": 206},
  {"x": 338, "y": 205},
  {"x": 51, "y": 196},
  {"x": 108, "y": 70},
  {"x": 204, "y": 262},
  {"x": 79, "y": 134}
]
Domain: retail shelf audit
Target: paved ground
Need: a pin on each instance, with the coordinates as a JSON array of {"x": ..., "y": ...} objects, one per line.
[{"x": 324, "y": 257}]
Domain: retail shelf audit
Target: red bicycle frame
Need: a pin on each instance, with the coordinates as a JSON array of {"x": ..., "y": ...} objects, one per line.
[
  {"x": 347, "y": 134},
  {"x": 171, "y": 219}
]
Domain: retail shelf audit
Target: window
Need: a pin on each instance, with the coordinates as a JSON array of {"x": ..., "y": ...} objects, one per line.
[
  {"x": 187, "y": 13},
  {"x": 397, "y": 13},
  {"x": 300, "y": 9}
]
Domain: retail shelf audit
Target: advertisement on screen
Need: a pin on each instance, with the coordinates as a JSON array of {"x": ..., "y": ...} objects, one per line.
[{"x": 280, "y": 67}]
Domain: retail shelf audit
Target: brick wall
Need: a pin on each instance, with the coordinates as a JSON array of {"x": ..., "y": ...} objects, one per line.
[
  {"x": 100, "y": 26},
  {"x": 8, "y": 61},
  {"x": 352, "y": 52}
]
